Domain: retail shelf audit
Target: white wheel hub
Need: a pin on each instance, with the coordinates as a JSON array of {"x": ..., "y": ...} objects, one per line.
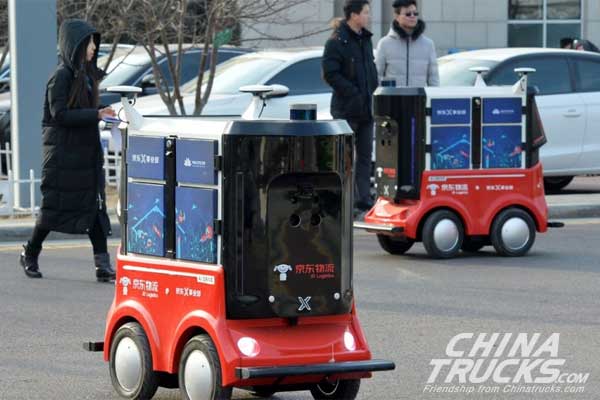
[
  {"x": 128, "y": 364},
  {"x": 515, "y": 233},
  {"x": 198, "y": 376},
  {"x": 445, "y": 235}
]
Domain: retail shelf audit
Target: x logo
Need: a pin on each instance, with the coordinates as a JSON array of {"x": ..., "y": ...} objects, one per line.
[{"x": 304, "y": 303}]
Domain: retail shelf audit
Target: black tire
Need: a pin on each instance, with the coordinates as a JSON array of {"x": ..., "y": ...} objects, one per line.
[
  {"x": 503, "y": 247},
  {"x": 394, "y": 245},
  {"x": 429, "y": 230},
  {"x": 556, "y": 183},
  {"x": 129, "y": 335},
  {"x": 263, "y": 391},
  {"x": 340, "y": 390},
  {"x": 471, "y": 245},
  {"x": 208, "y": 354}
]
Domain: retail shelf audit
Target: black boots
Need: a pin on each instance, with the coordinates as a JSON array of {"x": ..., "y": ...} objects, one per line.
[
  {"x": 104, "y": 272},
  {"x": 29, "y": 260}
]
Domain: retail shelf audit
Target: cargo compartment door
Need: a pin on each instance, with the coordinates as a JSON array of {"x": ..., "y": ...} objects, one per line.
[{"x": 304, "y": 225}]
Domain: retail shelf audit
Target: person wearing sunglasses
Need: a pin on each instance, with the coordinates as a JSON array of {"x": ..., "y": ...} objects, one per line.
[{"x": 405, "y": 55}]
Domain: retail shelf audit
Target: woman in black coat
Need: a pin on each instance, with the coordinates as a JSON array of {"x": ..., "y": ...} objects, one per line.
[{"x": 73, "y": 198}]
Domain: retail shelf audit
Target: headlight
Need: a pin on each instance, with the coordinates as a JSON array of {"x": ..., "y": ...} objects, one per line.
[
  {"x": 248, "y": 346},
  {"x": 349, "y": 341}
]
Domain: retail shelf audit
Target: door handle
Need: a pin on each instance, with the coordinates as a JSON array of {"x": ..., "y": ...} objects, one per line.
[{"x": 572, "y": 114}]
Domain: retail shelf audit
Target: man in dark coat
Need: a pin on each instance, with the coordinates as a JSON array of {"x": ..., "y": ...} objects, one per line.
[
  {"x": 73, "y": 197},
  {"x": 348, "y": 67}
]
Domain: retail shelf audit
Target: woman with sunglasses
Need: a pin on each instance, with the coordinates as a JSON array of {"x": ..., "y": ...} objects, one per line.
[{"x": 405, "y": 55}]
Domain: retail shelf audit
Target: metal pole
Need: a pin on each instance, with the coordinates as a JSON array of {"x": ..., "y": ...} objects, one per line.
[
  {"x": 33, "y": 58},
  {"x": 32, "y": 191},
  {"x": 105, "y": 166},
  {"x": 11, "y": 190},
  {"x": 8, "y": 157}
]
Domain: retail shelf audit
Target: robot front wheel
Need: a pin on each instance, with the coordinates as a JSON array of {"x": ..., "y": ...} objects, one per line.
[
  {"x": 443, "y": 234},
  {"x": 130, "y": 363},
  {"x": 200, "y": 374},
  {"x": 396, "y": 246}
]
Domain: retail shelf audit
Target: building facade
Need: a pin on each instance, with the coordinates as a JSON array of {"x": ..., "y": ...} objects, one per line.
[{"x": 452, "y": 24}]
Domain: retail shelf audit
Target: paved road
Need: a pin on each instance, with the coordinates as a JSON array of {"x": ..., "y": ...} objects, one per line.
[{"x": 410, "y": 308}]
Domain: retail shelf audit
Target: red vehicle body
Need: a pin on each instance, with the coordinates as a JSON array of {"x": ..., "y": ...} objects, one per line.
[
  {"x": 487, "y": 194},
  {"x": 171, "y": 319}
]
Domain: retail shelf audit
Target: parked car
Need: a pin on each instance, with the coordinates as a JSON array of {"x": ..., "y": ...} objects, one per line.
[
  {"x": 105, "y": 49},
  {"x": 132, "y": 66},
  {"x": 569, "y": 101},
  {"x": 135, "y": 69},
  {"x": 297, "y": 69}
]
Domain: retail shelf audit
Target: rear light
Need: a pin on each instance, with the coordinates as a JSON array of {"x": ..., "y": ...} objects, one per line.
[
  {"x": 248, "y": 346},
  {"x": 349, "y": 341}
]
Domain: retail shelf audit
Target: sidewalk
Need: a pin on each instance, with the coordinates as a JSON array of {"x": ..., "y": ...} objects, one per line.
[{"x": 581, "y": 199}]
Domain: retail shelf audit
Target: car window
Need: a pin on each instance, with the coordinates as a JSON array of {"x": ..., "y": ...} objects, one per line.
[
  {"x": 237, "y": 72},
  {"x": 551, "y": 76},
  {"x": 588, "y": 75},
  {"x": 455, "y": 72},
  {"x": 164, "y": 68},
  {"x": 123, "y": 74},
  {"x": 303, "y": 77},
  {"x": 191, "y": 63}
]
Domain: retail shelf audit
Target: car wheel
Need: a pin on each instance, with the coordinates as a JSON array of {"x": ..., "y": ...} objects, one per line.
[
  {"x": 556, "y": 183},
  {"x": 339, "y": 389},
  {"x": 130, "y": 363},
  {"x": 443, "y": 234},
  {"x": 394, "y": 245},
  {"x": 200, "y": 373},
  {"x": 513, "y": 232}
]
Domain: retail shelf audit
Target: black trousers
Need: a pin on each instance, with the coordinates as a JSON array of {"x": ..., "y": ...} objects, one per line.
[
  {"x": 96, "y": 235},
  {"x": 363, "y": 146}
]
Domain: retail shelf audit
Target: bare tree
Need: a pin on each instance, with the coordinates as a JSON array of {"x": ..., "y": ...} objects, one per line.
[
  {"x": 100, "y": 13},
  {"x": 168, "y": 28},
  {"x": 208, "y": 24}
]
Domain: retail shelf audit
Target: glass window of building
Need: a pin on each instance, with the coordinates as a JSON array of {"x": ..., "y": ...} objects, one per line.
[{"x": 542, "y": 23}]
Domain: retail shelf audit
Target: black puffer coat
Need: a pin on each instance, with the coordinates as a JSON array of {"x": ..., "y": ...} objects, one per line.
[
  {"x": 72, "y": 177},
  {"x": 348, "y": 67}
]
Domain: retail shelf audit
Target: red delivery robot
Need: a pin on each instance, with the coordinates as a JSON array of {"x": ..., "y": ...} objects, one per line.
[
  {"x": 458, "y": 169},
  {"x": 235, "y": 266}
]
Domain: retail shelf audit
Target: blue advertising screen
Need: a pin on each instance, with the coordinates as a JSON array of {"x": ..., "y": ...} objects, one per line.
[
  {"x": 502, "y": 111},
  {"x": 146, "y": 219},
  {"x": 196, "y": 161},
  {"x": 450, "y": 111},
  {"x": 146, "y": 158},
  {"x": 195, "y": 213},
  {"x": 451, "y": 147},
  {"x": 501, "y": 147}
]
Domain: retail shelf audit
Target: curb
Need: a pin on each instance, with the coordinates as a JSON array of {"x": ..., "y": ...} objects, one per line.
[
  {"x": 21, "y": 231},
  {"x": 567, "y": 211}
]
